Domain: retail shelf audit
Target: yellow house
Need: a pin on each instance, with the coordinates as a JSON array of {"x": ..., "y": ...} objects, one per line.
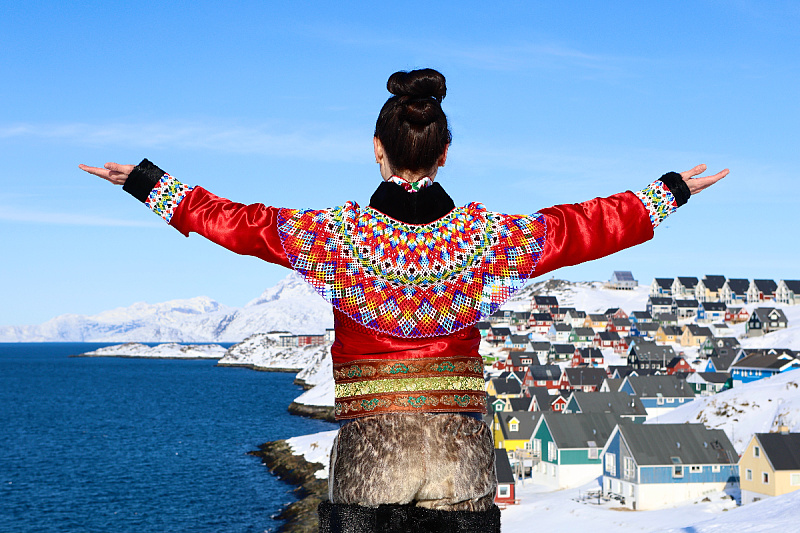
[
  {"x": 666, "y": 334},
  {"x": 770, "y": 466},
  {"x": 513, "y": 430},
  {"x": 694, "y": 335}
]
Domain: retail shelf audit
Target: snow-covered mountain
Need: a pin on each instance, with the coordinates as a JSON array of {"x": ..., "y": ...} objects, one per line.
[
  {"x": 161, "y": 351},
  {"x": 291, "y": 305}
]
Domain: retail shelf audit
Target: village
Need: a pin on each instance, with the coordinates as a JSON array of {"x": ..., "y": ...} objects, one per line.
[{"x": 569, "y": 392}]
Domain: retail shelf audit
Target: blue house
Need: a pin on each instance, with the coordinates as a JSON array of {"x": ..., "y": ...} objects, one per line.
[
  {"x": 652, "y": 466},
  {"x": 760, "y": 365},
  {"x": 659, "y": 394}
]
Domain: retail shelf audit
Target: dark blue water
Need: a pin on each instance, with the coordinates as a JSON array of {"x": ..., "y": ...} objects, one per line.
[{"x": 138, "y": 445}]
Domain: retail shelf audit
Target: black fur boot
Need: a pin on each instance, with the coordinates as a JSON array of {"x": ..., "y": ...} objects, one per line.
[{"x": 341, "y": 518}]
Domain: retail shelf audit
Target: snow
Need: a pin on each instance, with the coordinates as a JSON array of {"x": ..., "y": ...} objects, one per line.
[
  {"x": 292, "y": 305},
  {"x": 167, "y": 351},
  {"x": 757, "y": 407},
  {"x": 263, "y": 351},
  {"x": 315, "y": 448}
]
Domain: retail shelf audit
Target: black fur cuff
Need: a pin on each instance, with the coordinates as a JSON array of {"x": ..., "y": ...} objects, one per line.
[
  {"x": 142, "y": 180},
  {"x": 677, "y": 187}
]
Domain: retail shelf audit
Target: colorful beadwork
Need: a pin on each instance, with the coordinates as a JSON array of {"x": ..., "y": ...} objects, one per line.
[
  {"x": 411, "y": 280},
  {"x": 411, "y": 186},
  {"x": 658, "y": 200},
  {"x": 166, "y": 195}
]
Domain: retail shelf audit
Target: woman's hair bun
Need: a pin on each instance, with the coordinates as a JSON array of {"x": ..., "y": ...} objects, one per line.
[{"x": 422, "y": 83}]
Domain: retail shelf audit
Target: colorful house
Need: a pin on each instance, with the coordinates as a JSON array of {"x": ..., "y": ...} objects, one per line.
[
  {"x": 616, "y": 403},
  {"x": 709, "y": 383},
  {"x": 653, "y": 466},
  {"x": 569, "y": 446},
  {"x": 760, "y": 365},
  {"x": 764, "y": 320},
  {"x": 788, "y": 292},
  {"x": 761, "y": 290},
  {"x": 659, "y": 394},
  {"x": 683, "y": 287},
  {"x": 513, "y": 429},
  {"x": 506, "y": 484},
  {"x": 661, "y": 287},
  {"x": 708, "y": 289},
  {"x": 770, "y": 466}
]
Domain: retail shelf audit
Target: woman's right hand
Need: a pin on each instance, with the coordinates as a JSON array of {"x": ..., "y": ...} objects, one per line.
[{"x": 113, "y": 172}]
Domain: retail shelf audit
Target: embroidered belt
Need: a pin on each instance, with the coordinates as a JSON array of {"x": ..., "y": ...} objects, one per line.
[{"x": 437, "y": 384}]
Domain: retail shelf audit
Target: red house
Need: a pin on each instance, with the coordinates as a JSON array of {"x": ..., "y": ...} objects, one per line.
[
  {"x": 506, "y": 484},
  {"x": 678, "y": 364},
  {"x": 540, "y": 322},
  {"x": 587, "y": 357}
]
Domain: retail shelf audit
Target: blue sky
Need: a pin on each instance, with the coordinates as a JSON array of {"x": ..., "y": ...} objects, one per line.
[{"x": 275, "y": 102}]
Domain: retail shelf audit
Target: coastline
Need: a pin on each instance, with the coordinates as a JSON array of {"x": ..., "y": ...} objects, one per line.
[{"x": 300, "y": 515}]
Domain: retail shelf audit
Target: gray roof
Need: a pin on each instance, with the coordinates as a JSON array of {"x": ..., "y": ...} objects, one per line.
[
  {"x": 519, "y": 404},
  {"x": 623, "y": 275},
  {"x": 563, "y": 348},
  {"x": 664, "y": 283},
  {"x": 483, "y": 325},
  {"x": 714, "y": 306},
  {"x": 591, "y": 352},
  {"x": 714, "y": 283},
  {"x": 793, "y": 285},
  {"x": 699, "y": 331},
  {"x": 541, "y": 317},
  {"x": 501, "y": 331},
  {"x": 647, "y": 326},
  {"x": 562, "y": 327},
  {"x": 541, "y": 346},
  {"x": 542, "y": 396},
  {"x": 620, "y": 370},
  {"x": 767, "y": 361},
  {"x": 503, "y": 386},
  {"x": 683, "y": 304},
  {"x": 519, "y": 339},
  {"x": 642, "y": 315},
  {"x": 618, "y": 403},
  {"x": 545, "y": 372},
  {"x": 582, "y": 376},
  {"x": 738, "y": 285},
  {"x": 516, "y": 358},
  {"x": 608, "y": 336},
  {"x": 597, "y": 317},
  {"x": 545, "y": 300},
  {"x": 714, "y": 377},
  {"x": 667, "y": 317},
  {"x": 502, "y": 466},
  {"x": 672, "y": 330},
  {"x": 763, "y": 314},
  {"x": 573, "y": 430},
  {"x": 655, "y": 386},
  {"x": 620, "y": 322},
  {"x": 661, "y": 300},
  {"x": 527, "y": 422},
  {"x": 650, "y": 351},
  {"x": 583, "y": 332},
  {"x": 613, "y": 384},
  {"x": 688, "y": 282},
  {"x": 767, "y": 286},
  {"x": 690, "y": 444},
  {"x": 782, "y": 449}
]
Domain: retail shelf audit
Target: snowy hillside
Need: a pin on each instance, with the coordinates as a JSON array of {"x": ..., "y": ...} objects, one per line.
[
  {"x": 291, "y": 305},
  {"x": 162, "y": 351},
  {"x": 757, "y": 407},
  {"x": 263, "y": 351}
]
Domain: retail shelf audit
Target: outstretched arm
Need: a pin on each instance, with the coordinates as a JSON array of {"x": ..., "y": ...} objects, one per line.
[
  {"x": 243, "y": 229},
  {"x": 577, "y": 233}
]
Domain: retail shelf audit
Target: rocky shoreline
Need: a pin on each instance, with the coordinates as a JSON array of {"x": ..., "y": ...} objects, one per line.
[{"x": 301, "y": 515}]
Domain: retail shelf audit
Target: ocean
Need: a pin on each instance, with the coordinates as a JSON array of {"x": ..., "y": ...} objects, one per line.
[{"x": 119, "y": 445}]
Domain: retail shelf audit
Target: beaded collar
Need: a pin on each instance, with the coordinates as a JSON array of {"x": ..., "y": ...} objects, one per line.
[{"x": 409, "y": 186}]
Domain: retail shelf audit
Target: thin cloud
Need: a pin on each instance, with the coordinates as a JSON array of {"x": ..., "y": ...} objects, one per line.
[{"x": 263, "y": 140}]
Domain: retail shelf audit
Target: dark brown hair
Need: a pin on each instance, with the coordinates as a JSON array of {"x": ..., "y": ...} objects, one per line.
[{"x": 411, "y": 125}]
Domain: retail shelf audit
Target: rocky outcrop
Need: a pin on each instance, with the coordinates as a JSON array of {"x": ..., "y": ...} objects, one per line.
[
  {"x": 301, "y": 515},
  {"x": 319, "y": 412}
]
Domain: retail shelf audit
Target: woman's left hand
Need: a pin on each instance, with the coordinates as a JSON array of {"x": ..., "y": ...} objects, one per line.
[
  {"x": 698, "y": 184},
  {"x": 113, "y": 172}
]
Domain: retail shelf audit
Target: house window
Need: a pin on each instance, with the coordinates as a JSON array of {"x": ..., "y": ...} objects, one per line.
[
  {"x": 756, "y": 451},
  {"x": 551, "y": 451},
  {"x": 660, "y": 401},
  {"x": 630, "y": 468},
  {"x": 795, "y": 480},
  {"x": 765, "y": 478},
  {"x": 716, "y": 469},
  {"x": 513, "y": 426},
  {"x": 748, "y": 475},
  {"x": 670, "y": 400},
  {"x": 503, "y": 491},
  {"x": 695, "y": 469},
  {"x": 537, "y": 446},
  {"x": 594, "y": 453},
  {"x": 611, "y": 464},
  {"x": 677, "y": 467},
  {"x": 528, "y": 445}
]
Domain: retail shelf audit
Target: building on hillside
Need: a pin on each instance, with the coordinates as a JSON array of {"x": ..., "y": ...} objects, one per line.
[
  {"x": 587, "y": 357},
  {"x": 517, "y": 343},
  {"x": 543, "y": 304},
  {"x": 719, "y": 346},
  {"x": 665, "y": 334},
  {"x": 561, "y": 352},
  {"x": 596, "y": 321},
  {"x": 582, "y": 378},
  {"x": 540, "y": 322},
  {"x": 559, "y": 332},
  {"x": 770, "y": 466},
  {"x": 683, "y": 287},
  {"x": 649, "y": 355},
  {"x": 520, "y": 361},
  {"x": 617, "y": 403},
  {"x": 569, "y": 446},
  {"x": 709, "y": 289},
  {"x": 764, "y": 320},
  {"x": 734, "y": 292},
  {"x": 653, "y": 466},
  {"x": 678, "y": 365},
  {"x": 709, "y": 383},
  {"x": 694, "y": 335},
  {"x": 761, "y": 365},
  {"x": 646, "y": 330},
  {"x": 504, "y": 388},
  {"x": 547, "y": 376},
  {"x": 506, "y": 484},
  {"x": 735, "y": 315},
  {"x": 513, "y": 429},
  {"x": 498, "y": 334},
  {"x": 483, "y": 328},
  {"x": 687, "y": 308},
  {"x": 581, "y": 337},
  {"x": 711, "y": 312},
  {"x": 788, "y": 292},
  {"x": 659, "y": 394},
  {"x": 541, "y": 349},
  {"x": 609, "y": 339},
  {"x": 640, "y": 317},
  {"x": 540, "y": 398},
  {"x": 619, "y": 325},
  {"x": 661, "y": 287},
  {"x": 622, "y": 280},
  {"x": 761, "y": 290}
]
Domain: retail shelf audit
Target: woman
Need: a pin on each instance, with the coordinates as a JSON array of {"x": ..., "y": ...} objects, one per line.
[{"x": 408, "y": 277}]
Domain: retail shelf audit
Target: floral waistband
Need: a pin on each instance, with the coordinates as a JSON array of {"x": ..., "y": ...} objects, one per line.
[{"x": 444, "y": 384}]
